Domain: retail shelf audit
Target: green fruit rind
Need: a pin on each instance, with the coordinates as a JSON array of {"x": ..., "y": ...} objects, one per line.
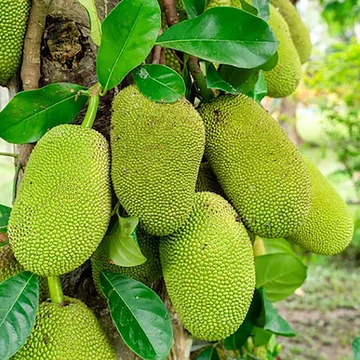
[
  {"x": 208, "y": 267},
  {"x": 259, "y": 169},
  {"x": 64, "y": 204}
]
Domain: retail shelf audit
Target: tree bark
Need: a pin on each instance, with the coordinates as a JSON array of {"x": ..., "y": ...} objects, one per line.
[{"x": 67, "y": 54}]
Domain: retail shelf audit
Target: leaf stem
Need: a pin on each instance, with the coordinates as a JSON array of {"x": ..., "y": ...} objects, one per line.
[
  {"x": 55, "y": 290},
  {"x": 92, "y": 106},
  {"x": 9, "y": 154}
]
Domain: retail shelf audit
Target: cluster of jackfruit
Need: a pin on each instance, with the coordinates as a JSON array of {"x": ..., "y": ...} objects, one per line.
[{"x": 13, "y": 20}]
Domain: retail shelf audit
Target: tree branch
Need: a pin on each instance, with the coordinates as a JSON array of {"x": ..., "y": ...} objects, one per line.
[{"x": 172, "y": 16}]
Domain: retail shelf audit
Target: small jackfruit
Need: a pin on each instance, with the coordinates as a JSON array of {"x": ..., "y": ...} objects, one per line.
[
  {"x": 13, "y": 19},
  {"x": 299, "y": 34},
  {"x": 156, "y": 154},
  {"x": 284, "y": 78},
  {"x": 147, "y": 273},
  {"x": 64, "y": 204},
  {"x": 208, "y": 267},
  {"x": 206, "y": 180},
  {"x": 9, "y": 266},
  {"x": 66, "y": 332},
  {"x": 329, "y": 227},
  {"x": 259, "y": 169}
]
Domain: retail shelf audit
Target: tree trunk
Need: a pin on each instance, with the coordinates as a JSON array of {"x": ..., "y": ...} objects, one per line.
[{"x": 66, "y": 53}]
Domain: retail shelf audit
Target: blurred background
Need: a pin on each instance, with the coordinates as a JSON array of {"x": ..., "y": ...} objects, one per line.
[{"x": 322, "y": 118}]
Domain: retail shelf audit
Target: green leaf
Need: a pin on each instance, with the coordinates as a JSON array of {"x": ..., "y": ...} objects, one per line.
[
  {"x": 159, "y": 83},
  {"x": 215, "y": 81},
  {"x": 263, "y": 8},
  {"x": 208, "y": 353},
  {"x": 276, "y": 246},
  {"x": 271, "y": 320},
  {"x": 4, "y": 218},
  {"x": 194, "y": 8},
  {"x": 120, "y": 243},
  {"x": 139, "y": 315},
  {"x": 29, "y": 114},
  {"x": 187, "y": 81},
  {"x": 129, "y": 33},
  {"x": 223, "y": 35},
  {"x": 260, "y": 89},
  {"x": 261, "y": 336},
  {"x": 19, "y": 296},
  {"x": 95, "y": 24},
  {"x": 249, "y": 8},
  {"x": 243, "y": 80},
  {"x": 356, "y": 348},
  {"x": 271, "y": 63},
  {"x": 280, "y": 274}
]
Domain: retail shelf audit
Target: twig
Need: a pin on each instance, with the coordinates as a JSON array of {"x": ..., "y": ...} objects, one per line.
[
  {"x": 9, "y": 154},
  {"x": 158, "y": 53},
  {"x": 172, "y": 16},
  {"x": 30, "y": 70}
]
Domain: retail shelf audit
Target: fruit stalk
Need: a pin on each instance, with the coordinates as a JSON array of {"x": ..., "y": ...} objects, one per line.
[
  {"x": 92, "y": 106},
  {"x": 55, "y": 290}
]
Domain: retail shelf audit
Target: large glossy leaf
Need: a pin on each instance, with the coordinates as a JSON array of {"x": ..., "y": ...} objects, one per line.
[
  {"x": 271, "y": 320},
  {"x": 224, "y": 35},
  {"x": 243, "y": 80},
  {"x": 356, "y": 348},
  {"x": 29, "y": 114},
  {"x": 19, "y": 302},
  {"x": 260, "y": 89},
  {"x": 95, "y": 24},
  {"x": 280, "y": 274},
  {"x": 159, "y": 83},
  {"x": 261, "y": 336},
  {"x": 120, "y": 243},
  {"x": 208, "y": 353},
  {"x": 263, "y": 8},
  {"x": 275, "y": 246},
  {"x": 215, "y": 81},
  {"x": 4, "y": 218},
  {"x": 129, "y": 33},
  {"x": 194, "y": 8},
  {"x": 139, "y": 315}
]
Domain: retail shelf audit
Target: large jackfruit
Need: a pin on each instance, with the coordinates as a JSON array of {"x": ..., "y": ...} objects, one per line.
[
  {"x": 208, "y": 267},
  {"x": 206, "y": 180},
  {"x": 66, "y": 332},
  {"x": 156, "y": 154},
  {"x": 299, "y": 34},
  {"x": 147, "y": 273},
  {"x": 284, "y": 78},
  {"x": 64, "y": 204},
  {"x": 260, "y": 170},
  {"x": 329, "y": 227},
  {"x": 13, "y": 19}
]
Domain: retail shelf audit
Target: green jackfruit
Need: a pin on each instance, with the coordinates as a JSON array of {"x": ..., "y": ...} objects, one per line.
[
  {"x": 64, "y": 204},
  {"x": 216, "y": 3},
  {"x": 66, "y": 332},
  {"x": 147, "y": 273},
  {"x": 156, "y": 154},
  {"x": 259, "y": 169},
  {"x": 299, "y": 34},
  {"x": 206, "y": 180},
  {"x": 9, "y": 266},
  {"x": 13, "y": 19},
  {"x": 208, "y": 267},
  {"x": 284, "y": 78},
  {"x": 329, "y": 227}
]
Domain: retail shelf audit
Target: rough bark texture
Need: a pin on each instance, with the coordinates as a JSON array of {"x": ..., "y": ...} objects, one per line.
[{"x": 67, "y": 54}]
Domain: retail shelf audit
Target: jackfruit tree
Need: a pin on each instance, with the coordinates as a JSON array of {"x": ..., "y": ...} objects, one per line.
[{"x": 148, "y": 174}]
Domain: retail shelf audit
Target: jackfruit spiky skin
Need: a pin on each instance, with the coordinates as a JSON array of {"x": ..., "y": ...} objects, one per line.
[
  {"x": 147, "y": 273},
  {"x": 9, "y": 266},
  {"x": 208, "y": 267},
  {"x": 156, "y": 154},
  {"x": 284, "y": 78},
  {"x": 66, "y": 333},
  {"x": 216, "y": 3},
  {"x": 299, "y": 33},
  {"x": 64, "y": 204},
  {"x": 206, "y": 180},
  {"x": 13, "y": 20},
  {"x": 329, "y": 227},
  {"x": 259, "y": 169}
]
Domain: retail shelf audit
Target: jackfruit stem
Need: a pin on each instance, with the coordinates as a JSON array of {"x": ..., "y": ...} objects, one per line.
[
  {"x": 55, "y": 290},
  {"x": 92, "y": 106}
]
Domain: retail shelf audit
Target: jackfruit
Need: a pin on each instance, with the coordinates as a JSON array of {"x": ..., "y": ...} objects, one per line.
[
  {"x": 259, "y": 169},
  {"x": 66, "y": 332},
  {"x": 147, "y": 273},
  {"x": 208, "y": 267},
  {"x": 13, "y": 19},
  {"x": 329, "y": 227},
  {"x": 284, "y": 78},
  {"x": 216, "y": 3},
  {"x": 299, "y": 34},
  {"x": 206, "y": 180},
  {"x": 156, "y": 154},
  {"x": 64, "y": 204},
  {"x": 9, "y": 266}
]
